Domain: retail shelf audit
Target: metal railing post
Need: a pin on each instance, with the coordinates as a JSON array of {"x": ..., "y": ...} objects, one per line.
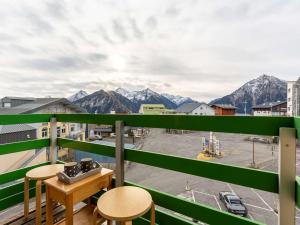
[
  {"x": 53, "y": 141},
  {"x": 287, "y": 175},
  {"x": 119, "y": 153}
]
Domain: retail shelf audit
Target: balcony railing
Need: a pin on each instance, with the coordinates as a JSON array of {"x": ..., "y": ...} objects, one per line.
[{"x": 285, "y": 183}]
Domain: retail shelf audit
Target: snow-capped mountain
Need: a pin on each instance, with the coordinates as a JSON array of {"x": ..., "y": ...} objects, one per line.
[
  {"x": 105, "y": 102},
  {"x": 177, "y": 99},
  {"x": 80, "y": 94},
  {"x": 257, "y": 91},
  {"x": 146, "y": 96}
]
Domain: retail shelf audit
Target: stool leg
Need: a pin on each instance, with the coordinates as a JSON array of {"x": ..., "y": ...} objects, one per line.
[
  {"x": 152, "y": 214},
  {"x": 26, "y": 197},
  {"x": 38, "y": 206}
]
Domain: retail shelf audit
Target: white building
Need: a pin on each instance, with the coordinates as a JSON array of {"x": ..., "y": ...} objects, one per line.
[
  {"x": 195, "y": 109},
  {"x": 293, "y": 98}
]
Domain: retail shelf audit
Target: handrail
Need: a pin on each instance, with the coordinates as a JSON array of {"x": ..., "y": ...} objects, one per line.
[
  {"x": 227, "y": 124},
  {"x": 263, "y": 180}
]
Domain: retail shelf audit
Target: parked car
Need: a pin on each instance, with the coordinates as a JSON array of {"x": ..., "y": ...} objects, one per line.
[
  {"x": 96, "y": 137},
  {"x": 233, "y": 203}
]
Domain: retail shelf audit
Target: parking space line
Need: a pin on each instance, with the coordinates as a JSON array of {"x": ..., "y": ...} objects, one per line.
[
  {"x": 204, "y": 193},
  {"x": 250, "y": 216},
  {"x": 231, "y": 188},
  {"x": 258, "y": 195},
  {"x": 217, "y": 202},
  {"x": 258, "y": 207},
  {"x": 193, "y": 196}
]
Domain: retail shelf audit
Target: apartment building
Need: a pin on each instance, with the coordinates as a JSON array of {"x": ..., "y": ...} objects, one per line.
[
  {"x": 293, "y": 98},
  {"x": 21, "y": 105}
]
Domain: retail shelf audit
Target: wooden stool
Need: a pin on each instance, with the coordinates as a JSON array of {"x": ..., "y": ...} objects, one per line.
[
  {"x": 39, "y": 174},
  {"x": 124, "y": 204}
]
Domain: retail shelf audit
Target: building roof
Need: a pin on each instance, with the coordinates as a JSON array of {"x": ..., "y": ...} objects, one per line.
[
  {"x": 224, "y": 106},
  {"x": 268, "y": 105},
  {"x": 15, "y": 128},
  {"x": 38, "y": 104},
  {"x": 188, "y": 107},
  {"x": 153, "y": 105}
]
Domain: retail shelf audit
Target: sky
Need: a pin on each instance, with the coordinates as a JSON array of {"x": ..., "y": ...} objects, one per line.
[{"x": 195, "y": 48}]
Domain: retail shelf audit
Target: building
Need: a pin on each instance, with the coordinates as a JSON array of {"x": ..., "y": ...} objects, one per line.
[
  {"x": 293, "y": 98},
  {"x": 224, "y": 109},
  {"x": 19, "y": 132},
  {"x": 16, "y": 133},
  {"x": 195, "y": 108},
  {"x": 270, "y": 109},
  {"x": 153, "y": 109}
]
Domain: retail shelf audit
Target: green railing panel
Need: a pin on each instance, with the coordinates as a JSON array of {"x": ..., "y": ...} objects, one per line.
[
  {"x": 258, "y": 179},
  {"x": 197, "y": 211},
  {"x": 24, "y": 118},
  {"x": 297, "y": 192},
  {"x": 87, "y": 147},
  {"x": 228, "y": 124},
  {"x": 14, "y": 188},
  {"x": 297, "y": 126},
  {"x": 17, "y": 198},
  {"x": 23, "y": 146},
  {"x": 17, "y": 174}
]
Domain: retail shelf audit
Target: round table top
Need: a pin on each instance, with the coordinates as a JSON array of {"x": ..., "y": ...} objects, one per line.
[
  {"x": 124, "y": 203},
  {"x": 45, "y": 172}
]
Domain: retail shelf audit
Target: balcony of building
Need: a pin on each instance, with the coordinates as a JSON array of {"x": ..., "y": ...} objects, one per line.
[{"x": 170, "y": 209}]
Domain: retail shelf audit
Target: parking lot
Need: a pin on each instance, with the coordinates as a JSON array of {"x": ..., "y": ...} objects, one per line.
[{"x": 262, "y": 206}]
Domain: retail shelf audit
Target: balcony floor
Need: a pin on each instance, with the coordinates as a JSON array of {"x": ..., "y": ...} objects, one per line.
[{"x": 14, "y": 215}]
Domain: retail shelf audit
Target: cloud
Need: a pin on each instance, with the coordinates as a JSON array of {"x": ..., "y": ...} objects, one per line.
[
  {"x": 197, "y": 48},
  {"x": 119, "y": 30}
]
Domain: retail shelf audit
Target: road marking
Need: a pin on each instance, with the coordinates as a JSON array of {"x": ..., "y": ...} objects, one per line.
[
  {"x": 204, "y": 193},
  {"x": 250, "y": 216},
  {"x": 193, "y": 196},
  {"x": 258, "y": 195},
  {"x": 217, "y": 202},
  {"x": 258, "y": 207},
  {"x": 231, "y": 189}
]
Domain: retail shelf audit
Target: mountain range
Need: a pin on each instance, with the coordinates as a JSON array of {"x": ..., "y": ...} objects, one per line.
[{"x": 257, "y": 91}]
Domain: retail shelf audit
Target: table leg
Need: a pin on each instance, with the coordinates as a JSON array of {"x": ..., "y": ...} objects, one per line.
[
  {"x": 109, "y": 222},
  {"x": 49, "y": 207},
  {"x": 26, "y": 197},
  {"x": 38, "y": 207},
  {"x": 69, "y": 209},
  {"x": 152, "y": 214}
]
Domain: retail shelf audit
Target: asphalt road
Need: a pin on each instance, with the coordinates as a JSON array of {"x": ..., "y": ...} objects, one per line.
[{"x": 236, "y": 151}]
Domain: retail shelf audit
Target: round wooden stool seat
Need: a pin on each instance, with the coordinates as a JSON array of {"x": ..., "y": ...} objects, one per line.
[
  {"x": 125, "y": 204},
  {"x": 44, "y": 172},
  {"x": 39, "y": 174}
]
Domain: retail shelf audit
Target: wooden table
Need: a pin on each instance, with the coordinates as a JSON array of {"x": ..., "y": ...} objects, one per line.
[
  {"x": 39, "y": 174},
  {"x": 125, "y": 204},
  {"x": 70, "y": 194}
]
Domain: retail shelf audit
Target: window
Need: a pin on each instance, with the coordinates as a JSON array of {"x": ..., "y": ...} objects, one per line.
[
  {"x": 289, "y": 90},
  {"x": 58, "y": 131},
  {"x": 7, "y": 105},
  {"x": 45, "y": 132},
  {"x": 63, "y": 130},
  {"x": 289, "y": 99},
  {"x": 72, "y": 128}
]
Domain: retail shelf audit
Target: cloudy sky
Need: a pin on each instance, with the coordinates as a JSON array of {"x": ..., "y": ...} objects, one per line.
[{"x": 198, "y": 48}]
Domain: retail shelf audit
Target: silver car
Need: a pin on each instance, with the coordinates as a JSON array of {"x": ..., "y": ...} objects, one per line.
[{"x": 233, "y": 203}]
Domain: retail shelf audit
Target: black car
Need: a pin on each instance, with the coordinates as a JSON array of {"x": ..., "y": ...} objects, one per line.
[{"x": 233, "y": 203}]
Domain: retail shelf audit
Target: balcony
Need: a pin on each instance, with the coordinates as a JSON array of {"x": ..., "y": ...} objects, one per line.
[{"x": 284, "y": 183}]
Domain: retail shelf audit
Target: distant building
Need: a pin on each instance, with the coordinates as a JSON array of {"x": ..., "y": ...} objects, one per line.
[
  {"x": 21, "y": 105},
  {"x": 293, "y": 98},
  {"x": 224, "y": 109},
  {"x": 195, "y": 109},
  {"x": 16, "y": 133},
  {"x": 270, "y": 109},
  {"x": 153, "y": 109}
]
